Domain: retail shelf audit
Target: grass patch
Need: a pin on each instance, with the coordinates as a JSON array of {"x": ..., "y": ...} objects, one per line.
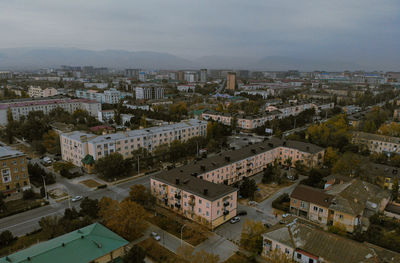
[
  {"x": 57, "y": 193},
  {"x": 193, "y": 233},
  {"x": 90, "y": 183},
  {"x": 159, "y": 253},
  {"x": 18, "y": 206}
]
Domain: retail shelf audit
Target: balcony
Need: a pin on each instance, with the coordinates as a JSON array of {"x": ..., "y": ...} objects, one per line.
[
  {"x": 191, "y": 202},
  {"x": 178, "y": 196},
  {"x": 178, "y": 205},
  {"x": 226, "y": 203},
  {"x": 226, "y": 212}
]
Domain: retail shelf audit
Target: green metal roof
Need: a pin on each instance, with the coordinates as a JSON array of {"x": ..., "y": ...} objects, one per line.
[
  {"x": 88, "y": 159},
  {"x": 80, "y": 246}
]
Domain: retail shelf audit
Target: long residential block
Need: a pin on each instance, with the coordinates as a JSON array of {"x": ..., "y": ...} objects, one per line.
[
  {"x": 377, "y": 143},
  {"x": 200, "y": 190},
  {"x": 75, "y": 146},
  {"x": 22, "y": 107}
]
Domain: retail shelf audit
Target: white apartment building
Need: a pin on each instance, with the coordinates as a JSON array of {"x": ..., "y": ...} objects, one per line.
[
  {"x": 111, "y": 96},
  {"x": 149, "y": 93},
  {"x": 76, "y": 145},
  {"x": 39, "y": 92},
  {"x": 22, "y": 107}
]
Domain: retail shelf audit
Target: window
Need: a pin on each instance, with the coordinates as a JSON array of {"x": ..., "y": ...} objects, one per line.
[
  {"x": 341, "y": 216},
  {"x": 315, "y": 208},
  {"x": 302, "y": 205},
  {"x": 298, "y": 256},
  {"x": 199, "y": 210},
  {"x": 310, "y": 260},
  {"x": 6, "y": 174},
  {"x": 321, "y": 210},
  {"x": 207, "y": 214},
  {"x": 199, "y": 201},
  {"x": 287, "y": 251},
  {"x": 208, "y": 205}
]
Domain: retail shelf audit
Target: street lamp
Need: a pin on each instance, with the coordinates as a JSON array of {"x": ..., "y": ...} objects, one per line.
[
  {"x": 181, "y": 232},
  {"x": 69, "y": 197}
]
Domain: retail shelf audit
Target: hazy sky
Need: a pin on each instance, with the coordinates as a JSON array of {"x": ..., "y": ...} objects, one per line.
[{"x": 358, "y": 30}]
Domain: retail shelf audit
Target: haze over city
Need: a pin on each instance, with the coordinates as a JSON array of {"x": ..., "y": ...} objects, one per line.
[{"x": 352, "y": 35}]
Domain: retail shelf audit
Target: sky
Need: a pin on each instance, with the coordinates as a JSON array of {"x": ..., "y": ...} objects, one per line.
[{"x": 361, "y": 31}]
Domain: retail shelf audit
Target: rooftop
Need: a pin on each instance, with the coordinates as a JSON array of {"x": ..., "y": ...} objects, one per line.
[
  {"x": 80, "y": 246},
  {"x": 6, "y": 152},
  {"x": 40, "y": 101}
]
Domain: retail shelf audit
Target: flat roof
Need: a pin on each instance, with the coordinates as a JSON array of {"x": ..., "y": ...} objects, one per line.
[
  {"x": 6, "y": 152},
  {"x": 197, "y": 185}
]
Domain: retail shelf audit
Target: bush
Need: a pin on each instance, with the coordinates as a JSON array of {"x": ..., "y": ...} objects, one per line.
[
  {"x": 6, "y": 238},
  {"x": 35, "y": 174},
  {"x": 29, "y": 194},
  {"x": 65, "y": 173},
  {"x": 102, "y": 186}
]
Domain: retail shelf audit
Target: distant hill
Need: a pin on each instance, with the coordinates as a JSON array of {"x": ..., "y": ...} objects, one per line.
[{"x": 35, "y": 58}]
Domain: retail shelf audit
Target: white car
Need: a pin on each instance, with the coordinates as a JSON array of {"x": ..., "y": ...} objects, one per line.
[
  {"x": 76, "y": 198},
  {"x": 235, "y": 220},
  {"x": 285, "y": 215},
  {"x": 156, "y": 236}
]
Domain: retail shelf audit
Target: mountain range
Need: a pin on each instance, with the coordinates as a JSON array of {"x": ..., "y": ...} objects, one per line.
[{"x": 35, "y": 58}]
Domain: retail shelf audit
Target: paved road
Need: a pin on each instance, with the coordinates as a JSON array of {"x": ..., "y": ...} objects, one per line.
[{"x": 26, "y": 222}]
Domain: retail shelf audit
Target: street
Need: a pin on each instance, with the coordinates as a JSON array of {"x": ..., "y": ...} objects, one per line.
[{"x": 23, "y": 223}]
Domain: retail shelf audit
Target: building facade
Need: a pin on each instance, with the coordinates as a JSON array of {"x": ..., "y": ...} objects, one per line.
[
  {"x": 22, "y": 107},
  {"x": 39, "y": 92},
  {"x": 76, "y": 145},
  {"x": 14, "y": 171},
  {"x": 377, "y": 143},
  {"x": 231, "y": 81},
  {"x": 149, "y": 93}
]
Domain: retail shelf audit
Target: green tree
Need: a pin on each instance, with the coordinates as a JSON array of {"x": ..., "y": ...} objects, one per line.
[
  {"x": 247, "y": 188},
  {"x": 90, "y": 207},
  {"x": 51, "y": 142},
  {"x": 113, "y": 166},
  {"x": 143, "y": 121},
  {"x": 6, "y": 238},
  {"x": 395, "y": 188},
  {"x": 135, "y": 255}
]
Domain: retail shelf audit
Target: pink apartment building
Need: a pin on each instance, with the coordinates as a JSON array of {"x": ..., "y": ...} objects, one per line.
[{"x": 201, "y": 179}]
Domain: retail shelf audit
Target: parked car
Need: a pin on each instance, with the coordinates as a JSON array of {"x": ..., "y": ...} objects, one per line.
[
  {"x": 252, "y": 203},
  {"x": 235, "y": 220},
  {"x": 77, "y": 198},
  {"x": 242, "y": 213},
  {"x": 46, "y": 160},
  {"x": 285, "y": 215},
  {"x": 155, "y": 236}
]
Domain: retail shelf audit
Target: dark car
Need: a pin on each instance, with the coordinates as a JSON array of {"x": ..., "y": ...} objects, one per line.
[{"x": 242, "y": 213}]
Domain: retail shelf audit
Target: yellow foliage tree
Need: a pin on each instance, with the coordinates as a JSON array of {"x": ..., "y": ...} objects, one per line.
[
  {"x": 187, "y": 253},
  {"x": 251, "y": 238},
  {"x": 126, "y": 218}
]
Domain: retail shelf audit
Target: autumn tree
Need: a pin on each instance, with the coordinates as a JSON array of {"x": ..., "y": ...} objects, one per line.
[
  {"x": 331, "y": 156},
  {"x": 51, "y": 142},
  {"x": 277, "y": 256},
  {"x": 141, "y": 195},
  {"x": 126, "y": 218},
  {"x": 187, "y": 253},
  {"x": 90, "y": 207},
  {"x": 395, "y": 188},
  {"x": 347, "y": 164},
  {"x": 251, "y": 238}
]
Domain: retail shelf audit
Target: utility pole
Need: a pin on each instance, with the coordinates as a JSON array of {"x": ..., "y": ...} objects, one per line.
[
  {"x": 44, "y": 186},
  {"x": 138, "y": 164}
]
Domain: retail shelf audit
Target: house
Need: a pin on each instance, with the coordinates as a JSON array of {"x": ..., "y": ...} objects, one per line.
[
  {"x": 305, "y": 243},
  {"x": 348, "y": 204},
  {"x": 93, "y": 243},
  {"x": 377, "y": 143}
]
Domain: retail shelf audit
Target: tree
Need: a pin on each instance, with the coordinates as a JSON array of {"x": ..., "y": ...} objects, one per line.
[
  {"x": 248, "y": 188},
  {"x": 186, "y": 252},
  {"x": 395, "y": 188},
  {"x": 51, "y": 142},
  {"x": 6, "y": 238},
  {"x": 277, "y": 256},
  {"x": 113, "y": 166},
  {"x": 251, "y": 238},
  {"x": 135, "y": 255},
  {"x": 2, "y": 202},
  {"x": 331, "y": 156},
  {"x": 51, "y": 227},
  {"x": 141, "y": 195},
  {"x": 143, "y": 121},
  {"x": 126, "y": 218},
  {"x": 90, "y": 207},
  {"x": 347, "y": 164}
]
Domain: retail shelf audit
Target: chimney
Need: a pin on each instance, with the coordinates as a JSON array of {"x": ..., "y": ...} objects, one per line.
[
  {"x": 177, "y": 181},
  {"x": 205, "y": 191}
]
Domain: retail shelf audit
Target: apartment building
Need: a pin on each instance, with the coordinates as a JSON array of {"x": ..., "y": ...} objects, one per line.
[
  {"x": 304, "y": 243},
  {"x": 22, "y": 107},
  {"x": 225, "y": 169},
  {"x": 75, "y": 146},
  {"x": 14, "y": 171},
  {"x": 348, "y": 203},
  {"x": 207, "y": 203},
  {"x": 377, "y": 143},
  {"x": 40, "y": 92},
  {"x": 111, "y": 96},
  {"x": 149, "y": 93},
  {"x": 231, "y": 81}
]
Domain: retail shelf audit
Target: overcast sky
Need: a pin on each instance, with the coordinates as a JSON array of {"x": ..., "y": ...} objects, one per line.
[{"x": 359, "y": 30}]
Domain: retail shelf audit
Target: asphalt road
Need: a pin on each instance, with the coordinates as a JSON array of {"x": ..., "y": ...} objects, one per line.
[{"x": 26, "y": 222}]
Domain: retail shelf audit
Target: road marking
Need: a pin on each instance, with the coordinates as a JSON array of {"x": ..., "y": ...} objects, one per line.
[{"x": 32, "y": 219}]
